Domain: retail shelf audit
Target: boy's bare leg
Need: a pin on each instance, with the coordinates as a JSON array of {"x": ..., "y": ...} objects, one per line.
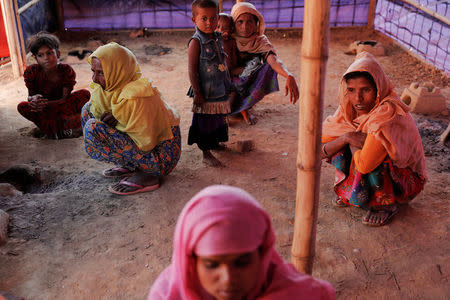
[
  {"x": 210, "y": 160},
  {"x": 248, "y": 117}
]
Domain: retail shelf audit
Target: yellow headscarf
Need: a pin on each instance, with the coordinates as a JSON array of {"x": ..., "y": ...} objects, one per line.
[{"x": 138, "y": 107}]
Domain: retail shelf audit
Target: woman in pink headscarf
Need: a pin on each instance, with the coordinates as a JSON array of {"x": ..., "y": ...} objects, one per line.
[
  {"x": 224, "y": 249},
  {"x": 374, "y": 144},
  {"x": 257, "y": 63}
]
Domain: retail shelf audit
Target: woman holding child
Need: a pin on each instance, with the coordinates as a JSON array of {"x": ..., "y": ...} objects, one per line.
[
  {"x": 128, "y": 123},
  {"x": 257, "y": 62},
  {"x": 224, "y": 249},
  {"x": 373, "y": 143}
]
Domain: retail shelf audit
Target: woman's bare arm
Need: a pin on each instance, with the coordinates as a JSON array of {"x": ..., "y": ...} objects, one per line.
[
  {"x": 291, "y": 87},
  {"x": 354, "y": 139}
]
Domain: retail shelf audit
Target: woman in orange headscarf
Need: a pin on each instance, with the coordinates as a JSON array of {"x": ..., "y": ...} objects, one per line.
[
  {"x": 374, "y": 144},
  {"x": 257, "y": 64}
]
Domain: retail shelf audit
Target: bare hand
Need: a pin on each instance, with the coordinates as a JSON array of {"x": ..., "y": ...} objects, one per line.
[
  {"x": 291, "y": 88},
  {"x": 37, "y": 103},
  {"x": 35, "y": 97},
  {"x": 108, "y": 119},
  {"x": 356, "y": 139}
]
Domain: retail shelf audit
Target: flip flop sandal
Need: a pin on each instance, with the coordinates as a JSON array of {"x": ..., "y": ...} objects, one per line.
[
  {"x": 390, "y": 214},
  {"x": 139, "y": 188},
  {"x": 338, "y": 202},
  {"x": 117, "y": 172}
]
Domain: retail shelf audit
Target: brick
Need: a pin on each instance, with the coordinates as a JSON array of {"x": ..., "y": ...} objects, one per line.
[{"x": 424, "y": 99}]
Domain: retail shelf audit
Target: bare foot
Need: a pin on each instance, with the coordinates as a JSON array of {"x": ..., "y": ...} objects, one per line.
[
  {"x": 210, "y": 160},
  {"x": 248, "y": 117},
  {"x": 380, "y": 217},
  {"x": 139, "y": 182}
]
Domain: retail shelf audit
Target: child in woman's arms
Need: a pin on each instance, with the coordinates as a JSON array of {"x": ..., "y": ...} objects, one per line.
[
  {"x": 51, "y": 104},
  {"x": 226, "y": 27}
]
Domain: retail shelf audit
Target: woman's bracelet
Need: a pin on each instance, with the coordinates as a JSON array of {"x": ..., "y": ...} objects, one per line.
[{"x": 324, "y": 151}]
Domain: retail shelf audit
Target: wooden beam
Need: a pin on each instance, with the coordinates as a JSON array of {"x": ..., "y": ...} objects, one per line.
[
  {"x": 23, "y": 52},
  {"x": 314, "y": 58},
  {"x": 28, "y": 5},
  {"x": 371, "y": 16},
  {"x": 12, "y": 37},
  {"x": 60, "y": 16},
  {"x": 428, "y": 11}
]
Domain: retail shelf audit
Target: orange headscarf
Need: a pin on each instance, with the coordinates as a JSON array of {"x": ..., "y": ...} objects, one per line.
[
  {"x": 389, "y": 120},
  {"x": 258, "y": 42}
]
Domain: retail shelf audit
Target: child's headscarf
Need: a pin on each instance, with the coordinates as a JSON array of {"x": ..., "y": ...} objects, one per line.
[
  {"x": 389, "y": 120},
  {"x": 258, "y": 42},
  {"x": 222, "y": 220},
  {"x": 137, "y": 106}
]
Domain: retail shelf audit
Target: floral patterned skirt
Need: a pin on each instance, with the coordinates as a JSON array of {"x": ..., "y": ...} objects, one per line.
[
  {"x": 385, "y": 185},
  {"x": 108, "y": 144}
]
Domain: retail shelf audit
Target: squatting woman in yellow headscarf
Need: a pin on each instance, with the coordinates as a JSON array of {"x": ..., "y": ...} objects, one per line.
[{"x": 127, "y": 123}]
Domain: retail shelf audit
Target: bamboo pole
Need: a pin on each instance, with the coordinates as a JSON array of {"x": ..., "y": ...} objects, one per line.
[
  {"x": 12, "y": 37},
  {"x": 20, "y": 34},
  {"x": 314, "y": 58},
  {"x": 371, "y": 16},
  {"x": 428, "y": 11}
]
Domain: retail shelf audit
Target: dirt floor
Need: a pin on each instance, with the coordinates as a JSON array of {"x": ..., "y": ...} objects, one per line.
[{"x": 71, "y": 239}]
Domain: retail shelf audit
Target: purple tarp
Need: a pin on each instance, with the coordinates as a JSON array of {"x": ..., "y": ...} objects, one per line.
[
  {"x": 416, "y": 30},
  {"x": 119, "y": 14},
  {"x": 422, "y": 34}
]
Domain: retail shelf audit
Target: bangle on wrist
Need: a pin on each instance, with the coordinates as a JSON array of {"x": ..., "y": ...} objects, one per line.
[{"x": 324, "y": 151}]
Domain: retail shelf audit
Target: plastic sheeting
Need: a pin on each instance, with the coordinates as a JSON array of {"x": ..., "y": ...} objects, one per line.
[
  {"x": 418, "y": 31},
  {"x": 118, "y": 14},
  {"x": 4, "y": 49},
  {"x": 38, "y": 17}
]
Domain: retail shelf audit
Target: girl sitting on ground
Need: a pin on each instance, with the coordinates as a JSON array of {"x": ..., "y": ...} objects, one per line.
[
  {"x": 224, "y": 248},
  {"x": 51, "y": 104}
]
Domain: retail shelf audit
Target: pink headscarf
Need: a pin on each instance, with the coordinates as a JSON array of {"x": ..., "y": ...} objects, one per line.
[
  {"x": 389, "y": 120},
  {"x": 227, "y": 220},
  {"x": 258, "y": 42}
]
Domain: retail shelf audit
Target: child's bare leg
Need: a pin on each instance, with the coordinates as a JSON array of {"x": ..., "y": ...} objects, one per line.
[
  {"x": 248, "y": 117},
  {"x": 209, "y": 159}
]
